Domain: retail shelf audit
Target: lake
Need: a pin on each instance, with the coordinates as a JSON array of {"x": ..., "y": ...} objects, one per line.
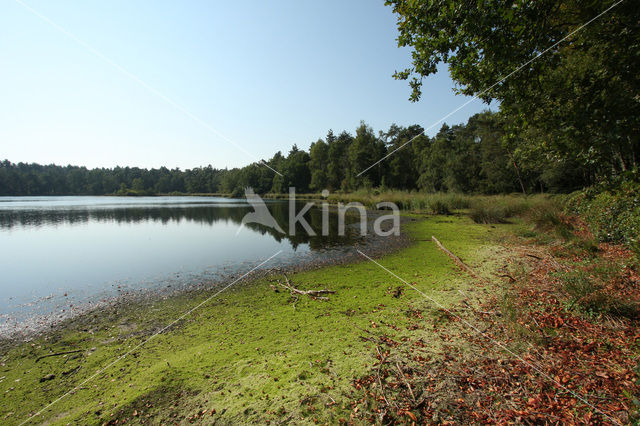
[{"x": 60, "y": 254}]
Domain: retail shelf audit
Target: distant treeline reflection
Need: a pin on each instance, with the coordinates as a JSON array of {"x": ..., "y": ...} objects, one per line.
[{"x": 200, "y": 214}]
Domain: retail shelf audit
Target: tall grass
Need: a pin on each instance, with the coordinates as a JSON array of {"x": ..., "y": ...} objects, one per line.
[
  {"x": 437, "y": 203},
  {"x": 481, "y": 208},
  {"x": 499, "y": 208}
]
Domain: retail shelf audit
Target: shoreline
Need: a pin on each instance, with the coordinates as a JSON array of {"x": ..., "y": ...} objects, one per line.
[
  {"x": 239, "y": 353},
  {"x": 42, "y": 325}
]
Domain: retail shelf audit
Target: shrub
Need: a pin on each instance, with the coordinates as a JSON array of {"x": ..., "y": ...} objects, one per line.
[
  {"x": 547, "y": 216},
  {"x": 586, "y": 289},
  {"x": 613, "y": 215},
  {"x": 237, "y": 193},
  {"x": 580, "y": 287},
  {"x": 514, "y": 206}
]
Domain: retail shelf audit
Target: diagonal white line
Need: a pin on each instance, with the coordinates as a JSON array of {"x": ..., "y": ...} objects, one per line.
[
  {"x": 143, "y": 83},
  {"x": 494, "y": 341},
  {"x": 145, "y": 341},
  {"x": 479, "y": 95}
]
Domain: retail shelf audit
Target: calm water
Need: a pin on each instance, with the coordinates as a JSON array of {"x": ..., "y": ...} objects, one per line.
[{"x": 58, "y": 253}]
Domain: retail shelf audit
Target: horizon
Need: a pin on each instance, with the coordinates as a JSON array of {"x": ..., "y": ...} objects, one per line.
[{"x": 123, "y": 85}]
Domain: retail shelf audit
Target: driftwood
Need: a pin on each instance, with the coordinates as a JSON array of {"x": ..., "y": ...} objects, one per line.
[
  {"x": 58, "y": 354},
  {"x": 314, "y": 294},
  {"x": 456, "y": 259}
]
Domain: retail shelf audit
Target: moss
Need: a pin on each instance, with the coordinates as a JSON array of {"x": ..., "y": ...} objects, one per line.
[{"x": 249, "y": 354}]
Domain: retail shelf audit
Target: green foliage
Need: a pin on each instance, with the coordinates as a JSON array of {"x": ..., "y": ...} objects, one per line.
[
  {"x": 407, "y": 200},
  {"x": 237, "y": 193},
  {"x": 318, "y": 164},
  {"x": 338, "y": 161},
  {"x": 466, "y": 158},
  {"x": 575, "y": 102},
  {"x": 583, "y": 289},
  {"x": 498, "y": 209},
  {"x": 365, "y": 150},
  {"x": 586, "y": 289},
  {"x": 405, "y": 143},
  {"x": 549, "y": 216},
  {"x": 439, "y": 207},
  {"x": 613, "y": 214}
]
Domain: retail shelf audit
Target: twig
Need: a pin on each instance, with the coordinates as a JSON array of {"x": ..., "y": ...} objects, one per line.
[
  {"x": 72, "y": 371},
  {"x": 59, "y": 353},
  {"x": 555, "y": 263},
  {"x": 505, "y": 275},
  {"x": 382, "y": 360},
  {"x": 311, "y": 293},
  {"x": 456, "y": 259},
  {"x": 534, "y": 320}
]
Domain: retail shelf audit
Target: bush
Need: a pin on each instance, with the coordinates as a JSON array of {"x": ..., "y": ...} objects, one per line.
[
  {"x": 237, "y": 193},
  {"x": 587, "y": 290},
  {"x": 613, "y": 215},
  {"x": 547, "y": 216},
  {"x": 580, "y": 287}
]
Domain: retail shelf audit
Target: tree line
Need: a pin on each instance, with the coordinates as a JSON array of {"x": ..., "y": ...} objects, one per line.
[{"x": 466, "y": 158}]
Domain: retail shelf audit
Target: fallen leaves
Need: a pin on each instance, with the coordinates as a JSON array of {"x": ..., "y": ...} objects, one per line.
[{"x": 570, "y": 367}]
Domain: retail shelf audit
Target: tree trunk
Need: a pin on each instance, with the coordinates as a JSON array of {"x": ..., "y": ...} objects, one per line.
[{"x": 515, "y": 166}]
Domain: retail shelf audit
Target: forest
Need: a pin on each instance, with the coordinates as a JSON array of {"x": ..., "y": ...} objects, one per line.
[{"x": 465, "y": 158}]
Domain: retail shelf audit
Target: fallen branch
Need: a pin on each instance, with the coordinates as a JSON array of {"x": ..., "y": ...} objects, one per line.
[
  {"x": 456, "y": 259},
  {"x": 315, "y": 294},
  {"x": 59, "y": 353}
]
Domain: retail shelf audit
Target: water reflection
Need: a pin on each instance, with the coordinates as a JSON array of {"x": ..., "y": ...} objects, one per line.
[
  {"x": 197, "y": 212},
  {"x": 61, "y": 253}
]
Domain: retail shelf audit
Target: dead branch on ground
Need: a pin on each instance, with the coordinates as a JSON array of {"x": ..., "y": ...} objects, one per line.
[
  {"x": 456, "y": 259},
  {"x": 314, "y": 294}
]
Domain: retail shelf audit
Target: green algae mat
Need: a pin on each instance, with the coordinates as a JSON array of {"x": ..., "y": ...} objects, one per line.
[{"x": 250, "y": 354}]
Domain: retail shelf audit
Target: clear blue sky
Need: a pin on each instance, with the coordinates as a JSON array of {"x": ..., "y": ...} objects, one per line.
[{"x": 264, "y": 74}]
